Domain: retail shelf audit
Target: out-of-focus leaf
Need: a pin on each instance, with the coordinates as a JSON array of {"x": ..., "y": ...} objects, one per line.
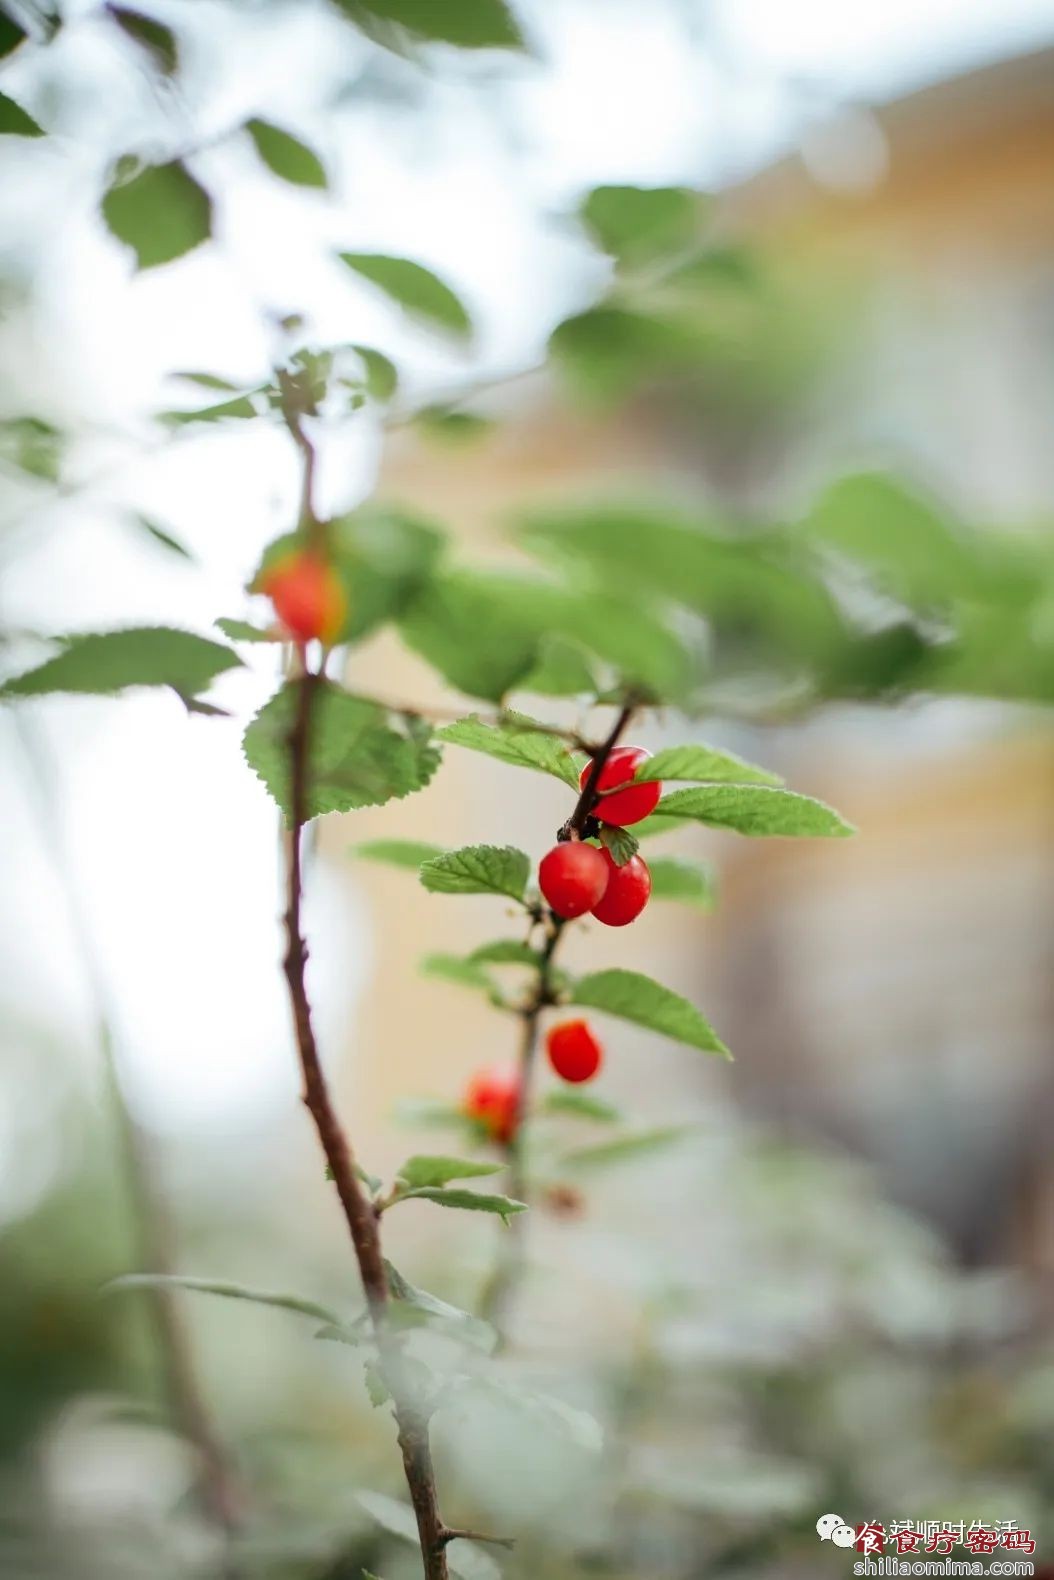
[
  {"x": 376, "y": 1388},
  {"x": 164, "y": 538},
  {"x": 107, "y": 662},
  {"x": 518, "y": 740},
  {"x": 15, "y": 121},
  {"x": 633, "y": 996},
  {"x": 466, "y": 1201},
  {"x": 408, "y": 853},
  {"x": 152, "y": 36},
  {"x": 638, "y": 223},
  {"x": 508, "y": 952},
  {"x": 470, "y": 24},
  {"x": 448, "y": 425},
  {"x": 208, "y": 1286},
  {"x": 240, "y": 406},
  {"x": 478, "y": 869},
  {"x": 162, "y": 213},
  {"x": 33, "y": 445},
  {"x": 579, "y": 1105},
  {"x": 11, "y": 35},
  {"x": 607, "y": 351},
  {"x": 382, "y": 376},
  {"x": 462, "y": 972},
  {"x": 626, "y": 1149},
  {"x": 562, "y": 670},
  {"x": 209, "y": 381},
  {"x": 428, "y": 1113},
  {"x": 473, "y": 640},
  {"x": 418, "y": 1303},
  {"x": 416, "y": 289},
  {"x": 701, "y": 763},
  {"x": 757, "y": 810},
  {"x": 688, "y": 881},
  {"x": 285, "y": 155},
  {"x": 428, "y": 1169},
  {"x": 386, "y": 556},
  {"x": 359, "y": 755}
]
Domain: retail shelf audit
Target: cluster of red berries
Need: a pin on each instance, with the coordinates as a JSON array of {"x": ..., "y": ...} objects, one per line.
[
  {"x": 309, "y": 597},
  {"x": 493, "y": 1097},
  {"x": 577, "y": 878}
]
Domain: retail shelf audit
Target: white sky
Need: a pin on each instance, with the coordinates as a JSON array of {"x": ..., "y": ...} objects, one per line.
[{"x": 172, "y": 840}]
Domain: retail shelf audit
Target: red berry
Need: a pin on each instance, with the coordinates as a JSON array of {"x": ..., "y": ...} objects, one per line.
[
  {"x": 492, "y": 1099},
  {"x": 307, "y": 594},
  {"x": 574, "y": 1052},
  {"x": 626, "y": 894},
  {"x": 626, "y": 806},
  {"x": 573, "y": 878}
]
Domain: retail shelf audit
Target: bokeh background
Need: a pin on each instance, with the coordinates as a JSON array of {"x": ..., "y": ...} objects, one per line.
[{"x": 834, "y": 1292}]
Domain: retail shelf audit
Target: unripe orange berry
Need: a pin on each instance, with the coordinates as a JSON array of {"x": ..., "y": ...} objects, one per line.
[
  {"x": 308, "y": 596},
  {"x": 492, "y": 1099}
]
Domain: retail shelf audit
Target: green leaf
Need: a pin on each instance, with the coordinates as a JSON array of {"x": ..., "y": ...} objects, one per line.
[
  {"x": 285, "y": 155},
  {"x": 467, "y": 634},
  {"x": 240, "y": 406},
  {"x": 208, "y": 1286},
  {"x": 635, "y": 997},
  {"x": 426, "y": 1169},
  {"x": 607, "y": 351},
  {"x": 478, "y": 869},
  {"x": 702, "y": 763},
  {"x": 15, "y": 121},
  {"x": 462, "y": 972},
  {"x": 622, "y": 844},
  {"x": 471, "y": 24},
  {"x": 579, "y": 1105},
  {"x": 158, "y": 41},
  {"x": 429, "y": 1113},
  {"x": 448, "y": 425},
  {"x": 561, "y": 670},
  {"x": 33, "y": 445},
  {"x": 161, "y": 213},
  {"x": 376, "y": 1387},
  {"x": 358, "y": 756},
  {"x": 382, "y": 376},
  {"x": 466, "y": 1201},
  {"x": 243, "y": 631},
  {"x": 659, "y": 822},
  {"x": 386, "y": 557},
  {"x": 517, "y": 739},
  {"x": 166, "y": 540},
  {"x": 417, "y": 1304},
  {"x": 413, "y": 287},
  {"x": 626, "y": 1149},
  {"x": 11, "y": 35},
  {"x": 507, "y": 952},
  {"x": 756, "y": 810},
  {"x": 635, "y": 224},
  {"x": 408, "y": 853},
  {"x": 688, "y": 881},
  {"x": 105, "y": 663},
  {"x": 209, "y": 381}
]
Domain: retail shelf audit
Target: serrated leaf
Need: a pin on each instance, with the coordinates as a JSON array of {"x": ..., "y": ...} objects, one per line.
[
  {"x": 426, "y": 1169},
  {"x": 659, "y": 823},
  {"x": 702, "y": 763},
  {"x": 462, "y": 972},
  {"x": 466, "y": 1201},
  {"x": 158, "y": 41},
  {"x": 358, "y": 756},
  {"x": 506, "y": 951},
  {"x": 408, "y": 853},
  {"x": 165, "y": 539},
  {"x": 229, "y": 1291},
  {"x": 478, "y": 869},
  {"x": 517, "y": 739},
  {"x": 162, "y": 213},
  {"x": 756, "y": 810},
  {"x": 15, "y": 121},
  {"x": 382, "y": 376},
  {"x": 413, "y": 287},
  {"x": 579, "y": 1105},
  {"x": 633, "y": 996},
  {"x": 244, "y": 631},
  {"x": 376, "y": 1387},
  {"x": 637, "y": 223},
  {"x": 626, "y": 1149},
  {"x": 285, "y": 155},
  {"x": 470, "y": 24},
  {"x": 104, "y": 663},
  {"x": 418, "y": 1303},
  {"x": 673, "y": 878},
  {"x": 621, "y": 842}
]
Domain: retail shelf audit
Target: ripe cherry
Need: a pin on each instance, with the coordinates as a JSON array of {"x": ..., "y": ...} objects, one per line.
[
  {"x": 307, "y": 594},
  {"x": 492, "y": 1099},
  {"x": 627, "y": 891},
  {"x": 625, "y": 806},
  {"x": 573, "y": 878},
  {"x": 574, "y": 1052}
]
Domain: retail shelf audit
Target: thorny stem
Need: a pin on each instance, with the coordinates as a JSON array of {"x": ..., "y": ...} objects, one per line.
[{"x": 499, "y": 1291}]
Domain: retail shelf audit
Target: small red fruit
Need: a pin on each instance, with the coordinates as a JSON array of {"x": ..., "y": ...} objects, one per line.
[
  {"x": 492, "y": 1099},
  {"x": 307, "y": 594},
  {"x": 573, "y": 878},
  {"x": 574, "y": 1052},
  {"x": 626, "y": 894},
  {"x": 625, "y": 806}
]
